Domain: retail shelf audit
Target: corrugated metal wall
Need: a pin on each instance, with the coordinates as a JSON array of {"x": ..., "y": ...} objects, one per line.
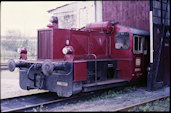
[{"x": 130, "y": 13}]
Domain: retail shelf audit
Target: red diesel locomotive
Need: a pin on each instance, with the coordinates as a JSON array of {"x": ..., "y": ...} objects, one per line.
[{"x": 97, "y": 56}]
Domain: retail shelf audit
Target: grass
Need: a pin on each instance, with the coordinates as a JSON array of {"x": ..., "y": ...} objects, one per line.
[
  {"x": 112, "y": 93},
  {"x": 159, "y": 105}
]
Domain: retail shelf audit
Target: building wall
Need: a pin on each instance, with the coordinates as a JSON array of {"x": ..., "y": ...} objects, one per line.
[
  {"x": 133, "y": 13},
  {"x": 159, "y": 10},
  {"x": 159, "y": 13},
  {"x": 75, "y": 15},
  {"x": 98, "y": 11},
  {"x": 129, "y": 13}
]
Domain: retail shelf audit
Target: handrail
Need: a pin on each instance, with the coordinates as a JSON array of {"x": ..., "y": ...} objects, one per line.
[{"x": 95, "y": 65}]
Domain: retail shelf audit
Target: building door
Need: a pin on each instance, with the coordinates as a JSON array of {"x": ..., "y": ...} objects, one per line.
[{"x": 166, "y": 61}]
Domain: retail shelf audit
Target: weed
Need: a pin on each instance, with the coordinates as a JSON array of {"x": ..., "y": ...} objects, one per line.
[
  {"x": 112, "y": 93},
  {"x": 35, "y": 110},
  {"x": 147, "y": 106},
  {"x": 41, "y": 108},
  {"x": 129, "y": 89}
]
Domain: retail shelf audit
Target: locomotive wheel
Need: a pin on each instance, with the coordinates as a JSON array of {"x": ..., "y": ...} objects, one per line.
[
  {"x": 47, "y": 67},
  {"x": 11, "y": 65}
]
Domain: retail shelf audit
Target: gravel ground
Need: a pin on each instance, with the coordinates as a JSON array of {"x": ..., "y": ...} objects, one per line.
[{"x": 10, "y": 85}]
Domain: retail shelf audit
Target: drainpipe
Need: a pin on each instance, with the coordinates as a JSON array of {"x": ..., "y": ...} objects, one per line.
[{"x": 150, "y": 68}]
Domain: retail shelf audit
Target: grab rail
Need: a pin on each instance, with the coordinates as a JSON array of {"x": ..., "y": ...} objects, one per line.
[{"x": 95, "y": 65}]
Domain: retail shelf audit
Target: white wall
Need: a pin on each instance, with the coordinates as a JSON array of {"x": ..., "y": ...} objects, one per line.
[
  {"x": 86, "y": 13},
  {"x": 98, "y": 11},
  {"x": 78, "y": 14}
]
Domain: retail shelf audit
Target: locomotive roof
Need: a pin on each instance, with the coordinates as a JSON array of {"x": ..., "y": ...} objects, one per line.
[{"x": 139, "y": 31}]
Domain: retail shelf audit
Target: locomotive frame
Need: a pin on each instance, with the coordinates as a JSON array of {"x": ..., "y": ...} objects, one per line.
[{"x": 100, "y": 55}]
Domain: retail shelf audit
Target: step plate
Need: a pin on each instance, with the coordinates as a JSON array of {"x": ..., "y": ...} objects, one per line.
[{"x": 104, "y": 84}]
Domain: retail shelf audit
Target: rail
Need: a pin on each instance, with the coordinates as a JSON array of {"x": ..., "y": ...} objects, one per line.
[
  {"x": 141, "y": 103},
  {"x": 4, "y": 66},
  {"x": 28, "y": 102}
]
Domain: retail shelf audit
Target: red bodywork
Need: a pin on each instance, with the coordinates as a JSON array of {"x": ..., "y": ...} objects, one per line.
[
  {"x": 101, "y": 26},
  {"x": 80, "y": 71},
  {"x": 88, "y": 41}
]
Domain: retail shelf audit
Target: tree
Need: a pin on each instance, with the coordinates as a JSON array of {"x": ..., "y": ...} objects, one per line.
[{"x": 10, "y": 42}]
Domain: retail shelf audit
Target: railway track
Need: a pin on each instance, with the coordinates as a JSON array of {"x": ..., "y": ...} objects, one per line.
[
  {"x": 28, "y": 102},
  {"x": 4, "y": 66},
  {"x": 141, "y": 103},
  {"x": 22, "y": 103}
]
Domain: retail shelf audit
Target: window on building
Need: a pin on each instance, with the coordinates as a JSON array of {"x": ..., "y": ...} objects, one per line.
[{"x": 122, "y": 40}]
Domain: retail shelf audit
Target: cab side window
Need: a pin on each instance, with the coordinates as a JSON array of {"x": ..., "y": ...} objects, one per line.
[
  {"x": 122, "y": 40},
  {"x": 140, "y": 45}
]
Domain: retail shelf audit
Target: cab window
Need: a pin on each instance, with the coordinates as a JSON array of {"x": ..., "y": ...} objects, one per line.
[
  {"x": 122, "y": 40},
  {"x": 139, "y": 44}
]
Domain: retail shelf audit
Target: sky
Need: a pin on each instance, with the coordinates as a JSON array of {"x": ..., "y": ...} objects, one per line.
[{"x": 26, "y": 17}]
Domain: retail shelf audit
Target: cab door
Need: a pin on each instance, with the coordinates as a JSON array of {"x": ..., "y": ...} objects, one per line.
[{"x": 140, "y": 52}]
